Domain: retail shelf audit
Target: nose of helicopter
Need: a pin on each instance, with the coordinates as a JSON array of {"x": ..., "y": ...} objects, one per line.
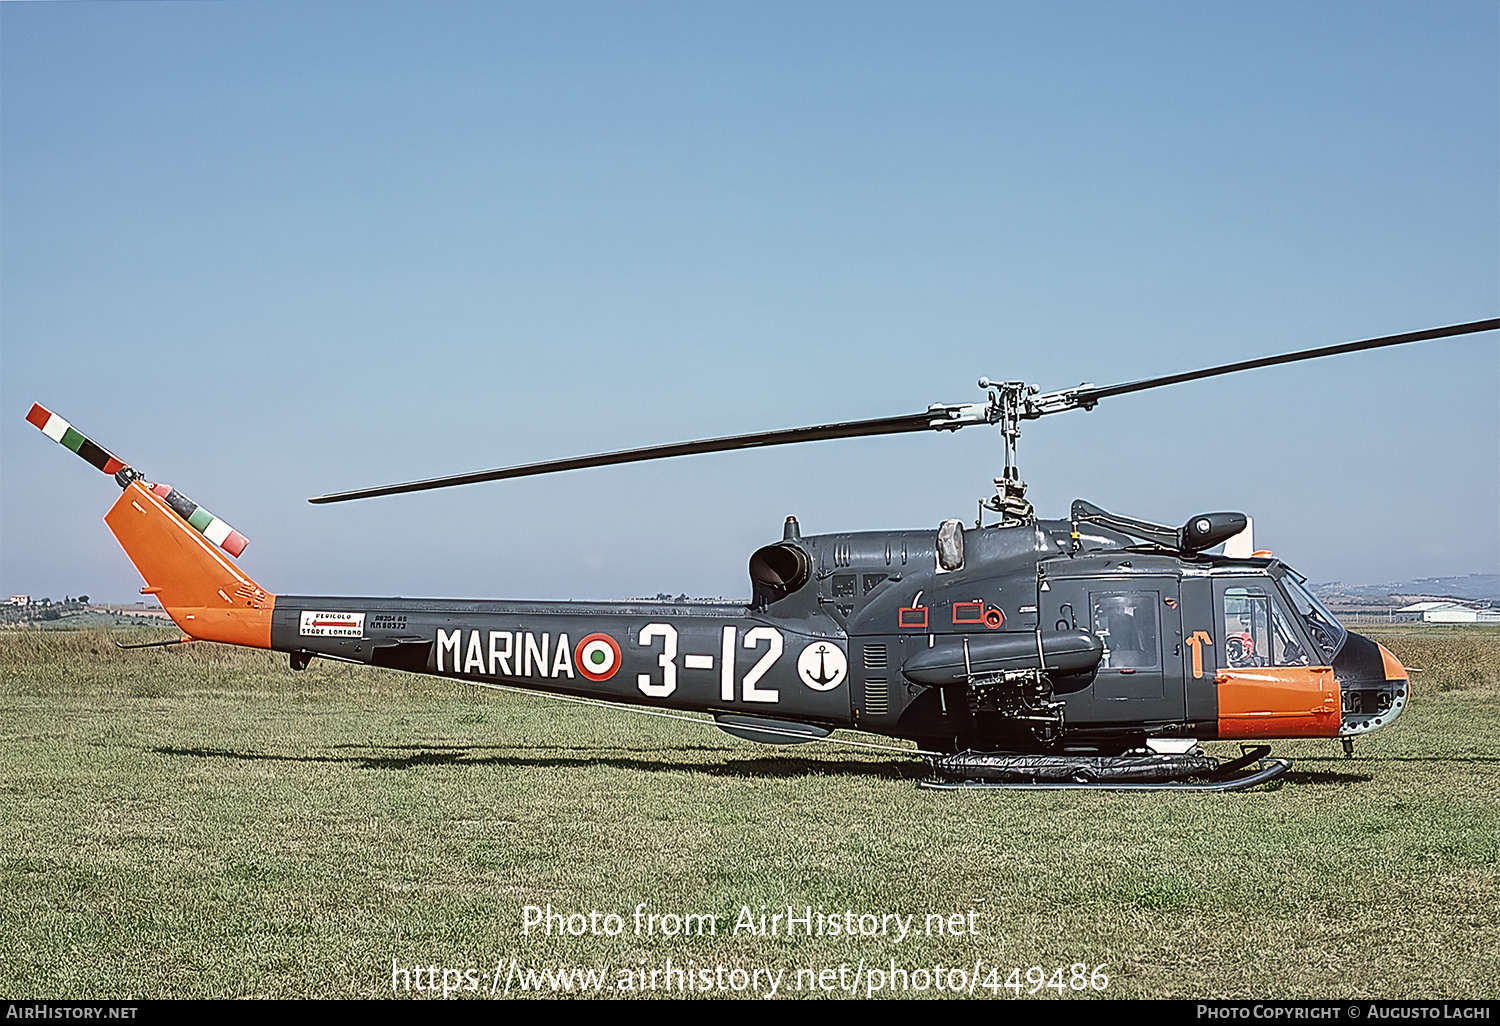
[{"x": 1373, "y": 684}]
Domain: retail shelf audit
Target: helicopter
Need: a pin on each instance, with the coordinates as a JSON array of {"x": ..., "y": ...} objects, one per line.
[{"x": 1095, "y": 650}]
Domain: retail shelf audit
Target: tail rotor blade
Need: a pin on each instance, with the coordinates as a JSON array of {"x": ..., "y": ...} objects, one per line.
[
  {"x": 69, "y": 437},
  {"x": 200, "y": 519}
]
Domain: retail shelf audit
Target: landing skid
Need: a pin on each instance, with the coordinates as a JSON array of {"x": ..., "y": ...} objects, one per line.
[{"x": 1088, "y": 773}]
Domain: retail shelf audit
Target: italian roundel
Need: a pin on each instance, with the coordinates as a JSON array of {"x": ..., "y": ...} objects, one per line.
[{"x": 597, "y": 657}]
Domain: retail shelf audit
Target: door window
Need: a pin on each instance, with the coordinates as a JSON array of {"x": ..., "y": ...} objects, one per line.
[{"x": 1127, "y": 622}]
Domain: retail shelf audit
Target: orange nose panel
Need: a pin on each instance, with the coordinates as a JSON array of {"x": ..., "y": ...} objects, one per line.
[
  {"x": 1278, "y": 702},
  {"x": 1393, "y": 668}
]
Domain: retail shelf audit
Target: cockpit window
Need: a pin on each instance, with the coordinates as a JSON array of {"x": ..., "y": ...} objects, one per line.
[
  {"x": 1324, "y": 628},
  {"x": 1257, "y": 632}
]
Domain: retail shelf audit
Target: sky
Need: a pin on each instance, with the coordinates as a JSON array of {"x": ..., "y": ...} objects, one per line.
[{"x": 264, "y": 251}]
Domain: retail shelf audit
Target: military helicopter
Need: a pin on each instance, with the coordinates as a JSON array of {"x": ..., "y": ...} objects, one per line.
[{"x": 1097, "y": 650}]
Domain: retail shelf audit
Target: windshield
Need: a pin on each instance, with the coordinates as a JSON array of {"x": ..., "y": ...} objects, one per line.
[{"x": 1327, "y": 633}]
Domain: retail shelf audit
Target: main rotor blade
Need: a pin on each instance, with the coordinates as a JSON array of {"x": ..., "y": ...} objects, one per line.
[
  {"x": 851, "y": 429},
  {"x": 1088, "y": 396},
  {"x": 936, "y": 418}
]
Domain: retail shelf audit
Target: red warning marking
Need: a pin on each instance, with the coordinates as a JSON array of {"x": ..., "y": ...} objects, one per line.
[
  {"x": 968, "y": 612},
  {"x": 912, "y": 616},
  {"x": 975, "y": 612}
]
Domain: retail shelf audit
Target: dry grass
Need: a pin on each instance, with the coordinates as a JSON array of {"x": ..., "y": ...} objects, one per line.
[
  {"x": 1446, "y": 658},
  {"x": 203, "y": 822}
]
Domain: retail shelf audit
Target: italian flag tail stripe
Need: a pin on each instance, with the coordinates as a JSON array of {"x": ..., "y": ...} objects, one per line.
[{"x": 60, "y": 431}]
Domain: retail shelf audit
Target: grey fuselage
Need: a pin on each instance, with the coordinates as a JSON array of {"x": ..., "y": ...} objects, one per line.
[{"x": 866, "y": 630}]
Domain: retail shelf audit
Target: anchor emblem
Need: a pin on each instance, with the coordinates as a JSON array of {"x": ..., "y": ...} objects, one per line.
[{"x": 822, "y": 666}]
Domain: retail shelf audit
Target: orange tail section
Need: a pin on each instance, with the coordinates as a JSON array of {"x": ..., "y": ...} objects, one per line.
[{"x": 203, "y": 592}]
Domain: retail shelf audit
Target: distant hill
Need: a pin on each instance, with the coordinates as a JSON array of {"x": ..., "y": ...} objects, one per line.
[{"x": 1471, "y": 588}]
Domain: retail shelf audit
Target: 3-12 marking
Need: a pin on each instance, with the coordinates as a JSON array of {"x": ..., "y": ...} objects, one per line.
[{"x": 667, "y": 661}]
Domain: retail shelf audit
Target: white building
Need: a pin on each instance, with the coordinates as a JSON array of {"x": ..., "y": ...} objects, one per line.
[{"x": 1447, "y": 612}]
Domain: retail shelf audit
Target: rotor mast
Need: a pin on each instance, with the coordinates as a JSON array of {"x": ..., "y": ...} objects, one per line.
[{"x": 1009, "y": 403}]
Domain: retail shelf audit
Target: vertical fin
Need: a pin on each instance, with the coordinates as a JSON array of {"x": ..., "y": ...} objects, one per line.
[{"x": 204, "y": 593}]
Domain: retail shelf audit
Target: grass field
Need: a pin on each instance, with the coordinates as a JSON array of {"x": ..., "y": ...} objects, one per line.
[{"x": 206, "y": 823}]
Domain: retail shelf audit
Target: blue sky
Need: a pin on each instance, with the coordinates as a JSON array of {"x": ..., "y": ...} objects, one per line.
[{"x": 264, "y": 251}]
